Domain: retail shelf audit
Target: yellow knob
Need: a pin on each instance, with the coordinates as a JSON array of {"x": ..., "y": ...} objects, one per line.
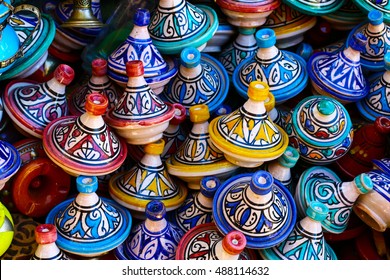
[
  {"x": 258, "y": 91},
  {"x": 199, "y": 113},
  {"x": 270, "y": 102},
  {"x": 155, "y": 148}
]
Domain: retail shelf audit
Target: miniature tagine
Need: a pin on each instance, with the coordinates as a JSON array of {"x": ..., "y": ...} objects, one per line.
[
  {"x": 97, "y": 82},
  {"x": 6, "y": 229},
  {"x": 158, "y": 70},
  {"x": 85, "y": 145},
  {"x": 177, "y": 24},
  {"x": 247, "y": 13},
  {"x": 258, "y": 206},
  {"x": 320, "y": 128},
  {"x": 88, "y": 225},
  {"x": 10, "y": 162},
  {"x": 32, "y": 106},
  {"x": 152, "y": 239},
  {"x": 323, "y": 185},
  {"x": 201, "y": 80},
  {"x": 139, "y": 116},
  {"x": 197, "y": 156},
  {"x": 306, "y": 241},
  {"x": 247, "y": 136},
  {"x": 205, "y": 242},
  {"x": 147, "y": 180},
  {"x": 315, "y": 8},
  {"x": 47, "y": 249},
  {"x": 283, "y": 71},
  {"x": 351, "y": 85}
]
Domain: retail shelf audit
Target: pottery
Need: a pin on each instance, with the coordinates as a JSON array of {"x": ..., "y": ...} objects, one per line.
[
  {"x": 382, "y": 164},
  {"x": 283, "y": 71},
  {"x": 366, "y": 6},
  {"x": 315, "y": 8},
  {"x": 373, "y": 208},
  {"x": 152, "y": 239},
  {"x": 249, "y": 145},
  {"x": 140, "y": 116},
  {"x": 88, "y": 225},
  {"x": 85, "y": 145},
  {"x": 6, "y": 229},
  {"x": 32, "y": 106},
  {"x": 46, "y": 236},
  {"x": 175, "y": 25},
  {"x": 10, "y": 162},
  {"x": 320, "y": 128},
  {"x": 306, "y": 241},
  {"x": 225, "y": 32},
  {"x": 147, "y": 180},
  {"x": 322, "y": 184},
  {"x": 247, "y": 13},
  {"x": 201, "y": 79},
  {"x": 197, "y": 156},
  {"x": 97, "y": 82},
  {"x": 258, "y": 206},
  {"x": 351, "y": 84}
]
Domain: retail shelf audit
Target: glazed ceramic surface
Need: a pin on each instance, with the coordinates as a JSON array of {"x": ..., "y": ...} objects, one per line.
[
  {"x": 380, "y": 5},
  {"x": 6, "y": 229},
  {"x": 314, "y": 7},
  {"x": 382, "y": 164},
  {"x": 10, "y": 162}
]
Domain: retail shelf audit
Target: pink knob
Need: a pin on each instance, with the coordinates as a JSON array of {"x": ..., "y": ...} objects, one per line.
[
  {"x": 135, "y": 68},
  {"x": 234, "y": 242},
  {"x": 96, "y": 104},
  {"x": 64, "y": 74},
  {"x": 180, "y": 114},
  {"x": 382, "y": 125},
  {"x": 99, "y": 67},
  {"x": 45, "y": 234}
]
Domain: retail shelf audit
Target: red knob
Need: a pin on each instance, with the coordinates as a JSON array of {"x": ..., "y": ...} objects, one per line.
[
  {"x": 45, "y": 234},
  {"x": 180, "y": 114},
  {"x": 135, "y": 68},
  {"x": 234, "y": 242},
  {"x": 64, "y": 74},
  {"x": 96, "y": 104},
  {"x": 99, "y": 67},
  {"x": 382, "y": 125}
]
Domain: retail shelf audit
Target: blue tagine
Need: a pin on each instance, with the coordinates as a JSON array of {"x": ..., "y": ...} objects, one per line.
[
  {"x": 258, "y": 206},
  {"x": 153, "y": 239},
  {"x": 283, "y": 71},
  {"x": 89, "y": 226}
]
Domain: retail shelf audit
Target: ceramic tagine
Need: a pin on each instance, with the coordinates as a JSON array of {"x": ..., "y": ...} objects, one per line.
[
  {"x": 85, "y": 145},
  {"x": 139, "y": 116},
  {"x": 88, "y": 225},
  {"x": 315, "y": 8},
  {"x": 378, "y": 41},
  {"x": 10, "y": 162},
  {"x": 323, "y": 185},
  {"x": 205, "y": 242},
  {"x": 47, "y": 249},
  {"x": 147, "y": 180},
  {"x": 152, "y": 239},
  {"x": 377, "y": 102},
  {"x": 158, "y": 70},
  {"x": 283, "y": 71},
  {"x": 320, "y": 128},
  {"x": 197, "y": 156},
  {"x": 382, "y": 164},
  {"x": 201, "y": 80},
  {"x": 247, "y": 136},
  {"x": 339, "y": 75},
  {"x": 97, "y": 82},
  {"x": 6, "y": 229},
  {"x": 306, "y": 241},
  {"x": 258, "y": 206},
  {"x": 32, "y": 106},
  {"x": 175, "y": 25},
  {"x": 380, "y": 5}
]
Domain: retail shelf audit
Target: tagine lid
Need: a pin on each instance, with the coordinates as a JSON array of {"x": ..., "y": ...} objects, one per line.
[
  {"x": 316, "y": 8},
  {"x": 251, "y": 6},
  {"x": 258, "y": 206},
  {"x": 85, "y": 145},
  {"x": 10, "y": 160},
  {"x": 89, "y": 225}
]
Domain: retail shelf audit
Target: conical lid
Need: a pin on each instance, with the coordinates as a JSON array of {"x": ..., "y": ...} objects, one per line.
[
  {"x": 10, "y": 162},
  {"x": 88, "y": 225},
  {"x": 315, "y": 7},
  {"x": 85, "y": 145},
  {"x": 258, "y": 206},
  {"x": 306, "y": 241}
]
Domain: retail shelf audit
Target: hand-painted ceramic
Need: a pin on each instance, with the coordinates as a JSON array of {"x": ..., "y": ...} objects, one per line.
[
  {"x": 369, "y": 142},
  {"x": 205, "y": 242},
  {"x": 97, "y": 82},
  {"x": 152, "y": 239},
  {"x": 6, "y": 229},
  {"x": 252, "y": 13},
  {"x": 351, "y": 84},
  {"x": 315, "y": 8},
  {"x": 382, "y": 164},
  {"x": 88, "y": 225},
  {"x": 346, "y": 17},
  {"x": 320, "y": 128},
  {"x": 289, "y": 25},
  {"x": 147, "y": 180},
  {"x": 373, "y": 208},
  {"x": 140, "y": 116},
  {"x": 258, "y": 206},
  {"x": 380, "y": 5},
  {"x": 378, "y": 41},
  {"x": 322, "y": 184},
  {"x": 306, "y": 241},
  {"x": 47, "y": 249},
  {"x": 85, "y": 145},
  {"x": 247, "y": 137},
  {"x": 32, "y": 106},
  {"x": 175, "y": 25},
  {"x": 283, "y": 71},
  {"x": 243, "y": 46},
  {"x": 10, "y": 162},
  {"x": 197, "y": 156},
  {"x": 201, "y": 79}
]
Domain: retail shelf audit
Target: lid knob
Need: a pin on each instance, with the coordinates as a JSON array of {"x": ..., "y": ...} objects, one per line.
[
  {"x": 96, "y": 104},
  {"x": 99, "y": 67},
  {"x": 326, "y": 107},
  {"x": 258, "y": 91},
  {"x": 190, "y": 57},
  {"x": 261, "y": 182},
  {"x": 64, "y": 74},
  {"x": 199, "y": 113},
  {"x": 363, "y": 183},
  {"x": 45, "y": 234},
  {"x": 234, "y": 242},
  {"x": 155, "y": 148},
  {"x": 180, "y": 114},
  {"x": 317, "y": 211},
  {"x": 289, "y": 158},
  {"x": 375, "y": 17},
  {"x": 209, "y": 185},
  {"x": 142, "y": 17},
  {"x": 135, "y": 68},
  {"x": 265, "y": 38},
  {"x": 155, "y": 210},
  {"x": 86, "y": 184}
]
